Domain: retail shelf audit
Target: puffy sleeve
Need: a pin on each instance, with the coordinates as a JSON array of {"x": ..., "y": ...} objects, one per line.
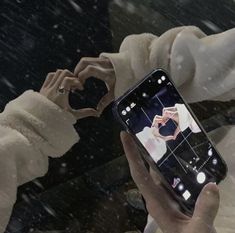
[
  {"x": 201, "y": 66},
  {"x": 31, "y": 129},
  {"x": 186, "y": 120}
]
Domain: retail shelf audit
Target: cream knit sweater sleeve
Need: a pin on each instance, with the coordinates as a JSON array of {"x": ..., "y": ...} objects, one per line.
[
  {"x": 202, "y": 67},
  {"x": 31, "y": 129}
]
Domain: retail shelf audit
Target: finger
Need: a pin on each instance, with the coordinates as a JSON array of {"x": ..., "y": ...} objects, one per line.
[
  {"x": 158, "y": 120},
  {"x": 69, "y": 83},
  {"x": 170, "y": 109},
  {"x": 158, "y": 203},
  {"x": 206, "y": 208},
  {"x": 48, "y": 79},
  {"x": 157, "y": 116},
  {"x": 85, "y": 61},
  {"x": 138, "y": 170},
  {"x": 155, "y": 176},
  {"x": 63, "y": 74},
  {"x": 95, "y": 71},
  {"x": 167, "y": 113},
  {"x": 177, "y": 131},
  {"x": 55, "y": 77},
  {"x": 105, "y": 101},
  {"x": 83, "y": 113}
]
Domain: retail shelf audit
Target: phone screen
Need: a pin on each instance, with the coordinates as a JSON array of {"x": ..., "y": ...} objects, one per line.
[{"x": 174, "y": 141}]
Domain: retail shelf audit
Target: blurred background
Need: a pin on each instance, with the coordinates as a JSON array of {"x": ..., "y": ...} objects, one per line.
[{"x": 85, "y": 190}]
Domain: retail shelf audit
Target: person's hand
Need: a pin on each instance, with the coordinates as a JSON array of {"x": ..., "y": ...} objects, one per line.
[
  {"x": 100, "y": 68},
  {"x": 57, "y": 87},
  {"x": 158, "y": 120},
  {"x": 155, "y": 128},
  {"x": 161, "y": 206},
  {"x": 170, "y": 113}
]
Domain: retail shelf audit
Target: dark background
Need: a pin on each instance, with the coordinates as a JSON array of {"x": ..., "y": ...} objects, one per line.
[{"x": 84, "y": 190}]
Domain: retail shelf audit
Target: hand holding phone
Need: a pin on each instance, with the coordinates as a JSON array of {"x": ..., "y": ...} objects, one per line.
[
  {"x": 161, "y": 206},
  {"x": 171, "y": 138}
]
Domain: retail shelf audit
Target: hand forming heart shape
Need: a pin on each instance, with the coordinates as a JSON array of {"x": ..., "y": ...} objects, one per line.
[
  {"x": 58, "y": 85},
  {"x": 167, "y": 113},
  {"x": 102, "y": 69}
]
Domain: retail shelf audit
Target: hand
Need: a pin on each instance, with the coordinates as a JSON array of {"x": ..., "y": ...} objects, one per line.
[
  {"x": 158, "y": 120},
  {"x": 100, "y": 68},
  {"x": 66, "y": 80},
  {"x": 161, "y": 206}
]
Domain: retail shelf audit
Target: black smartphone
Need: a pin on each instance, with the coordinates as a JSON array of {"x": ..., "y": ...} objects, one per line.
[{"x": 171, "y": 138}]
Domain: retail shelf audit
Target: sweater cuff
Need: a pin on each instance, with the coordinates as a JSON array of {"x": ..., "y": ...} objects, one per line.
[
  {"x": 48, "y": 127},
  {"x": 123, "y": 71}
]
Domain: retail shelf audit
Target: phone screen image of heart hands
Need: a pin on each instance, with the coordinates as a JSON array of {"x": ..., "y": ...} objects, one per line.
[
  {"x": 176, "y": 143},
  {"x": 94, "y": 90}
]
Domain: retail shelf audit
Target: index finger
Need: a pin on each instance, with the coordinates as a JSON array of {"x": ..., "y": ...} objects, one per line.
[
  {"x": 85, "y": 61},
  {"x": 96, "y": 72}
]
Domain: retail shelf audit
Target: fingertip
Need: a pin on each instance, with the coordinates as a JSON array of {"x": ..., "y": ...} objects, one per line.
[
  {"x": 127, "y": 140},
  {"x": 100, "y": 108},
  {"x": 211, "y": 188},
  {"x": 207, "y": 204},
  {"x": 123, "y": 134}
]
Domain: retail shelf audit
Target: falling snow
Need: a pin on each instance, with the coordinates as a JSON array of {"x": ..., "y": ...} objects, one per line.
[
  {"x": 75, "y": 6},
  {"x": 7, "y": 83},
  {"x": 211, "y": 25},
  {"x": 49, "y": 210}
]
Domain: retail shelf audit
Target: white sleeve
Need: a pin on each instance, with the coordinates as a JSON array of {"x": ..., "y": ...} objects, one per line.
[
  {"x": 186, "y": 120},
  {"x": 31, "y": 129},
  {"x": 204, "y": 68},
  {"x": 201, "y": 66}
]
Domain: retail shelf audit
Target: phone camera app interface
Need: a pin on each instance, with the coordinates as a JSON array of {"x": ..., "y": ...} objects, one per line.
[{"x": 161, "y": 121}]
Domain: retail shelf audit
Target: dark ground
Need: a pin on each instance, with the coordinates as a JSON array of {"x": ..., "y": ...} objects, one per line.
[{"x": 85, "y": 190}]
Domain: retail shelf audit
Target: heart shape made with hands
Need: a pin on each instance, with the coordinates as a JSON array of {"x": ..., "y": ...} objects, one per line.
[
  {"x": 163, "y": 122},
  {"x": 98, "y": 79},
  {"x": 90, "y": 96}
]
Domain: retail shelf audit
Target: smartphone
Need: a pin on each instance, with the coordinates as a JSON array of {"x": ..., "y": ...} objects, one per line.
[{"x": 171, "y": 138}]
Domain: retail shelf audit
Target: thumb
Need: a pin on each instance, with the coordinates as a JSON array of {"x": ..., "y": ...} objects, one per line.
[{"x": 207, "y": 206}]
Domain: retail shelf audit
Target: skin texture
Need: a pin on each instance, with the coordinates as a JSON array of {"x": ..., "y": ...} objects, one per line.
[
  {"x": 161, "y": 206},
  {"x": 67, "y": 80}
]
